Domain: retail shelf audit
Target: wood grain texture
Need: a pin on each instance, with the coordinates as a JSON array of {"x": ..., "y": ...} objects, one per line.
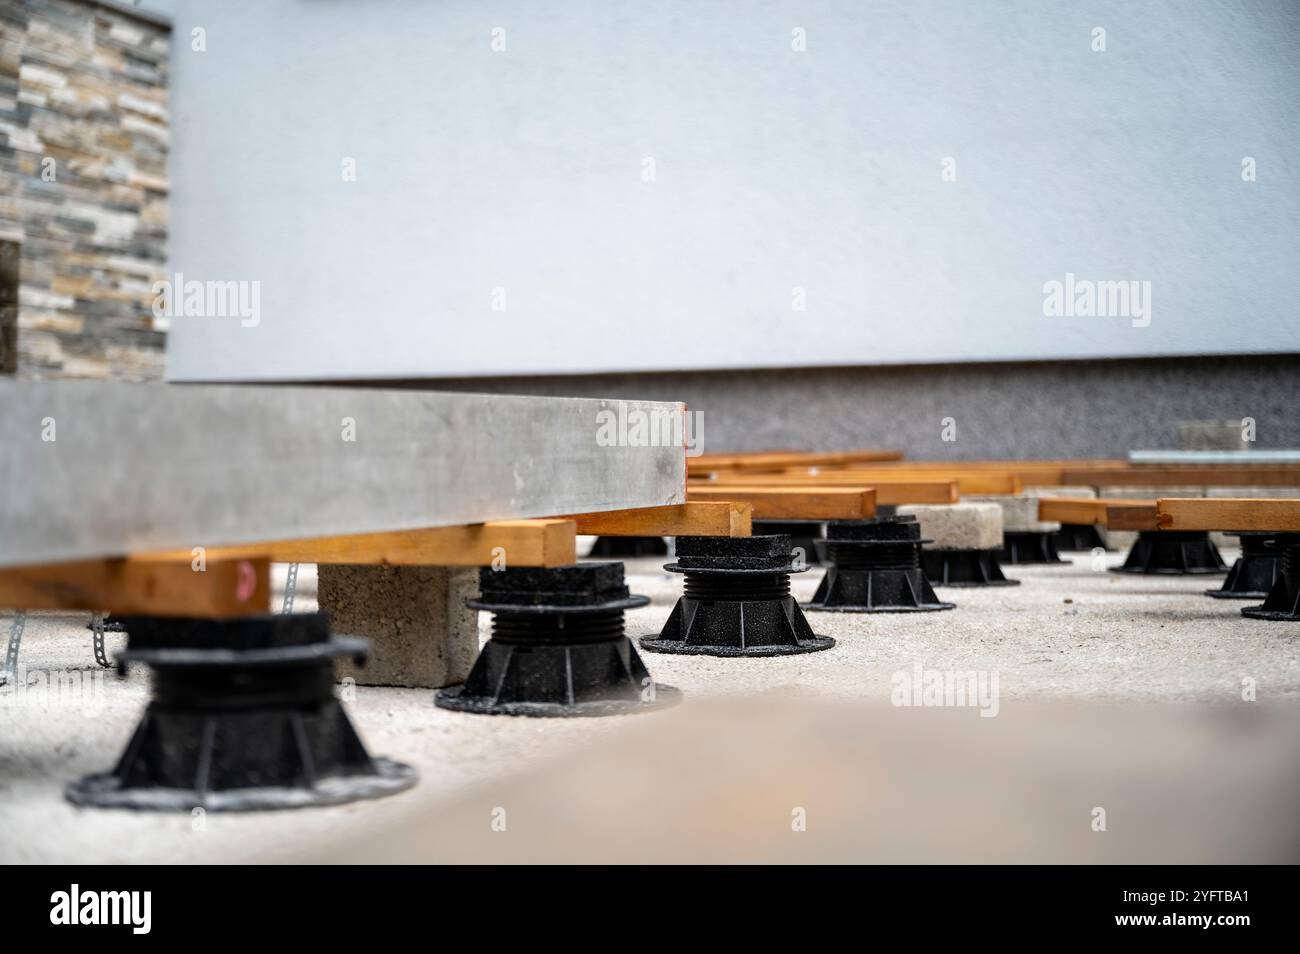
[
  {"x": 930, "y": 490},
  {"x": 1228, "y": 513},
  {"x": 968, "y": 482},
  {"x": 1110, "y": 512},
  {"x": 543, "y": 542},
  {"x": 1232, "y": 475},
  {"x": 127, "y": 586},
  {"x": 796, "y": 503},
  {"x": 778, "y": 459},
  {"x": 698, "y": 518}
]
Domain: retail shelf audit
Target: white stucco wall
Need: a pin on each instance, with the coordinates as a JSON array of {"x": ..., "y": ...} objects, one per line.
[{"x": 522, "y": 170}]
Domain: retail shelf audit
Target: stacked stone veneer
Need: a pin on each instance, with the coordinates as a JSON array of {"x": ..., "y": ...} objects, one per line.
[{"x": 83, "y": 188}]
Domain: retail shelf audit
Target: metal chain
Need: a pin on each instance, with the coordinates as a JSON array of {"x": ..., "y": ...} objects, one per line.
[
  {"x": 290, "y": 585},
  {"x": 97, "y": 627},
  {"x": 15, "y": 639}
]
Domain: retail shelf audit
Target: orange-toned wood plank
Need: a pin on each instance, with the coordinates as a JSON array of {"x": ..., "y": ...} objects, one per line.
[
  {"x": 548, "y": 542},
  {"x": 1140, "y": 515},
  {"x": 887, "y": 493},
  {"x": 127, "y": 586},
  {"x": 796, "y": 503},
  {"x": 1226, "y": 475},
  {"x": 1228, "y": 513},
  {"x": 967, "y": 481},
  {"x": 698, "y": 518},
  {"x": 1111, "y": 512},
  {"x": 1019, "y": 465},
  {"x": 775, "y": 460},
  {"x": 916, "y": 492},
  {"x": 1071, "y": 510},
  {"x": 1031, "y": 473}
]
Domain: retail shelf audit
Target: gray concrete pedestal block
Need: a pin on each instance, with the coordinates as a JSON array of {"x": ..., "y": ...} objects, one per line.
[
  {"x": 421, "y": 633},
  {"x": 1019, "y": 513},
  {"x": 958, "y": 526}
]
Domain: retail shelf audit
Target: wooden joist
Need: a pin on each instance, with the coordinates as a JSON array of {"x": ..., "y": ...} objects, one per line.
[
  {"x": 1232, "y": 475},
  {"x": 543, "y": 542},
  {"x": 795, "y": 503},
  {"x": 776, "y": 460},
  {"x": 916, "y": 492},
  {"x": 1027, "y": 472},
  {"x": 1111, "y": 512},
  {"x": 968, "y": 482},
  {"x": 1228, "y": 513},
  {"x": 694, "y": 519},
  {"x": 929, "y": 490},
  {"x": 132, "y": 586},
  {"x": 1015, "y": 466},
  {"x": 1031, "y": 473}
]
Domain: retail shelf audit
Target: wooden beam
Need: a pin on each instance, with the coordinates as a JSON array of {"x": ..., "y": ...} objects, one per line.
[
  {"x": 1018, "y": 466},
  {"x": 1111, "y": 512},
  {"x": 930, "y": 490},
  {"x": 1233, "y": 475},
  {"x": 1228, "y": 513},
  {"x": 1028, "y": 472},
  {"x": 694, "y": 519},
  {"x": 797, "y": 503},
  {"x": 1003, "y": 463},
  {"x": 976, "y": 481},
  {"x": 1070, "y": 510},
  {"x": 917, "y": 492},
  {"x": 1139, "y": 515},
  {"x": 776, "y": 460},
  {"x": 546, "y": 542},
  {"x": 128, "y": 586},
  {"x": 968, "y": 481},
  {"x": 1031, "y": 473}
]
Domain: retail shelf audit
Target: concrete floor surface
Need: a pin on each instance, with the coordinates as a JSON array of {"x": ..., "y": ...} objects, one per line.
[{"x": 1071, "y": 638}]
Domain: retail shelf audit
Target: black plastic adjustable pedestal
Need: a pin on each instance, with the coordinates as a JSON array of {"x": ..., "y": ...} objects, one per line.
[
  {"x": 1173, "y": 552},
  {"x": 557, "y": 647},
  {"x": 624, "y": 548},
  {"x": 243, "y": 717},
  {"x": 736, "y": 600},
  {"x": 964, "y": 568},
  {"x": 805, "y": 535},
  {"x": 1078, "y": 537},
  {"x": 1023, "y": 547},
  {"x": 875, "y": 567},
  {"x": 1256, "y": 570},
  {"x": 1283, "y": 600}
]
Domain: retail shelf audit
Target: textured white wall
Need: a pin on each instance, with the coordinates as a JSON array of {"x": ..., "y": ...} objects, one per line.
[{"x": 776, "y": 169}]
